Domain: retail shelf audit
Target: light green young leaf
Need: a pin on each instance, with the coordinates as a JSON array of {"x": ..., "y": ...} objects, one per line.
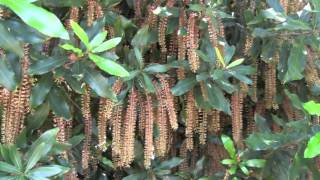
[
  {"x": 35, "y": 156},
  {"x": 38, "y": 18},
  {"x": 257, "y": 163},
  {"x": 109, "y": 66},
  {"x": 313, "y": 147},
  {"x": 235, "y": 63},
  {"x": 109, "y": 44},
  {"x": 70, "y": 47},
  {"x": 228, "y": 161},
  {"x": 82, "y": 35},
  {"x": 229, "y": 146},
  {"x": 244, "y": 169},
  {"x": 98, "y": 39},
  {"x": 312, "y": 108}
]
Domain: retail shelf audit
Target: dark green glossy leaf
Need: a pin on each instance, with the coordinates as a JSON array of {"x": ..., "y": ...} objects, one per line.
[
  {"x": 48, "y": 171},
  {"x": 156, "y": 68},
  {"x": 171, "y": 163},
  {"x": 15, "y": 157},
  {"x": 148, "y": 83},
  {"x": 183, "y": 86},
  {"x": 8, "y": 168},
  {"x": 23, "y": 32},
  {"x": 46, "y": 65},
  {"x": 35, "y": 156},
  {"x": 58, "y": 103},
  {"x": 38, "y": 18},
  {"x": 9, "y": 42},
  {"x": 262, "y": 33},
  {"x": 38, "y": 117},
  {"x": 296, "y": 63},
  {"x": 40, "y": 90},
  {"x": 75, "y": 140},
  {"x": 217, "y": 99},
  {"x": 107, "y": 162},
  {"x": 99, "y": 84},
  {"x": 293, "y": 25},
  {"x": 261, "y": 124},
  {"x": 7, "y": 76},
  {"x": 275, "y": 5},
  {"x": 264, "y": 141},
  {"x": 48, "y": 138}
]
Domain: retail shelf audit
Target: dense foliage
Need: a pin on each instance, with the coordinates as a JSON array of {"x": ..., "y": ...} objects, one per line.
[{"x": 143, "y": 89}]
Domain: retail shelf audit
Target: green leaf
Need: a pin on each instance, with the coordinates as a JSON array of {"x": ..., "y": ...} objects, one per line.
[
  {"x": 81, "y": 34},
  {"x": 15, "y": 157},
  {"x": 261, "y": 123},
  {"x": 46, "y": 65},
  {"x": 262, "y": 33},
  {"x": 293, "y": 25},
  {"x": 171, "y": 163},
  {"x": 148, "y": 83},
  {"x": 200, "y": 165},
  {"x": 70, "y": 47},
  {"x": 7, "y": 76},
  {"x": 217, "y": 98},
  {"x": 9, "y": 42},
  {"x": 272, "y": 14},
  {"x": 264, "y": 141},
  {"x": 58, "y": 103},
  {"x": 183, "y": 86},
  {"x": 98, "y": 39},
  {"x": 109, "y": 44},
  {"x": 296, "y": 63},
  {"x": 228, "y": 161},
  {"x": 8, "y": 168},
  {"x": 313, "y": 149},
  {"x": 156, "y": 68},
  {"x": 235, "y": 63},
  {"x": 107, "y": 162},
  {"x": 228, "y": 53},
  {"x": 203, "y": 56},
  {"x": 312, "y": 108},
  {"x": 275, "y": 5},
  {"x": 75, "y": 140},
  {"x": 38, "y": 117},
  {"x": 141, "y": 38},
  {"x": 244, "y": 169},
  {"x": 109, "y": 66},
  {"x": 35, "y": 156},
  {"x": 258, "y": 163},
  {"x": 229, "y": 146},
  {"x": 40, "y": 90},
  {"x": 99, "y": 84},
  {"x": 48, "y": 171},
  {"x": 220, "y": 58},
  {"x": 48, "y": 138},
  {"x": 38, "y": 18}
]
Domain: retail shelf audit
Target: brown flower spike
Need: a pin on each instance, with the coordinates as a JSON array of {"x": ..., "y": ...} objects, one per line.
[
  {"x": 193, "y": 44},
  {"x": 148, "y": 142}
]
